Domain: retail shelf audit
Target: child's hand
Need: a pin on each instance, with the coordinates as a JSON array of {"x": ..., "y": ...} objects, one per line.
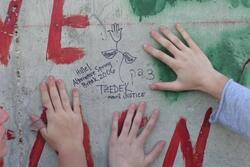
[
  {"x": 194, "y": 70},
  {"x": 3, "y": 147},
  {"x": 127, "y": 150},
  {"x": 64, "y": 131}
]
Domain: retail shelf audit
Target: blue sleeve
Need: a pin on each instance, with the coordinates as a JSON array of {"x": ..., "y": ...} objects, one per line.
[{"x": 234, "y": 108}]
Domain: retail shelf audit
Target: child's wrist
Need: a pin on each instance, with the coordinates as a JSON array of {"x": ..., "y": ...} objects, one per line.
[
  {"x": 71, "y": 148},
  {"x": 214, "y": 84}
]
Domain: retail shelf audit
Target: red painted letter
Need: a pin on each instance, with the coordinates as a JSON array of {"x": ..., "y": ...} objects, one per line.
[
  {"x": 55, "y": 52},
  {"x": 7, "y": 29},
  {"x": 193, "y": 158}
]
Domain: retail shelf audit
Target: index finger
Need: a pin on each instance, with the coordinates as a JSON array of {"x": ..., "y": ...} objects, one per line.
[
  {"x": 46, "y": 101},
  {"x": 160, "y": 55},
  {"x": 186, "y": 36},
  {"x": 149, "y": 127}
]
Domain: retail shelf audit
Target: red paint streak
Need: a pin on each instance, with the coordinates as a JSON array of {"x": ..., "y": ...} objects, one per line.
[
  {"x": 38, "y": 146},
  {"x": 10, "y": 135},
  {"x": 56, "y": 53},
  {"x": 123, "y": 117},
  {"x": 193, "y": 158},
  {"x": 87, "y": 145},
  {"x": 7, "y": 30},
  {"x": 1, "y": 163}
]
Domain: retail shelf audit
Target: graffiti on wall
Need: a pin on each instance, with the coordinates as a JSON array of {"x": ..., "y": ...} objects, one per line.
[{"x": 224, "y": 55}]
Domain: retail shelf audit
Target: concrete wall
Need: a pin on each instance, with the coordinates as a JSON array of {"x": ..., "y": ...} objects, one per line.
[{"x": 220, "y": 27}]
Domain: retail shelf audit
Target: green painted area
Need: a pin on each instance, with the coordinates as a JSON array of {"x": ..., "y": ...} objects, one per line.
[
  {"x": 236, "y": 3},
  {"x": 148, "y": 7},
  {"x": 145, "y": 8},
  {"x": 245, "y": 80},
  {"x": 246, "y": 3},
  {"x": 228, "y": 56},
  {"x": 231, "y": 52}
]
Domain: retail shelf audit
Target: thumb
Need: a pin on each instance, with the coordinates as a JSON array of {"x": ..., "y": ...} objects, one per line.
[
  {"x": 38, "y": 125},
  {"x": 172, "y": 86},
  {"x": 154, "y": 154}
]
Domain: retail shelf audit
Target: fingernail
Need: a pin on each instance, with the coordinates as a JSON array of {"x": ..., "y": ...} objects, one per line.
[
  {"x": 146, "y": 45},
  {"x": 51, "y": 77},
  {"x": 163, "y": 142},
  {"x": 75, "y": 91},
  {"x": 152, "y": 86},
  {"x": 143, "y": 103},
  {"x": 152, "y": 33},
  {"x": 162, "y": 28},
  {"x": 156, "y": 113},
  {"x": 60, "y": 81},
  {"x": 10, "y": 135},
  {"x": 133, "y": 105},
  {"x": 43, "y": 83}
]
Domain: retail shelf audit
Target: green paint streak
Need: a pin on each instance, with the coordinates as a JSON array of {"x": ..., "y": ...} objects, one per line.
[
  {"x": 228, "y": 56},
  {"x": 231, "y": 52},
  {"x": 246, "y": 3},
  {"x": 144, "y": 8},
  {"x": 245, "y": 80},
  {"x": 147, "y": 7},
  {"x": 235, "y": 3}
]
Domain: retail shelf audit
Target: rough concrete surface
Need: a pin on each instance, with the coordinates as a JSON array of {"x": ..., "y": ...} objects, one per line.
[{"x": 220, "y": 27}]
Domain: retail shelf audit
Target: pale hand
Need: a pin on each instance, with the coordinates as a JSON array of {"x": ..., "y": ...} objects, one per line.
[
  {"x": 127, "y": 149},
  {"x": 193, "y": 68}
]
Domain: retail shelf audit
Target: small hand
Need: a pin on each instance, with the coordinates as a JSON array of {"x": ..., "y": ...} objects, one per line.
[
  {"x": 4, "y": 116},
  {"x": 127, "y": 150},
  {"x": 64, "y": 131},
  {"x": 193, "y": 68}
]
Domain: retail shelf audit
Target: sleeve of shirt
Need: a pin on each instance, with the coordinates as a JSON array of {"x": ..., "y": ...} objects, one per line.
[{"x": 234, "y": 108}]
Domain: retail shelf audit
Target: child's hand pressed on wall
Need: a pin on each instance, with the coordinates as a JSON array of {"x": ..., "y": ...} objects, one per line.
[
  {"x": 3, "y": 146},
  {"x": 64, "y": 131},
  {"x": 127, "y": 149},
  {"x": 193, "y": 68}
]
